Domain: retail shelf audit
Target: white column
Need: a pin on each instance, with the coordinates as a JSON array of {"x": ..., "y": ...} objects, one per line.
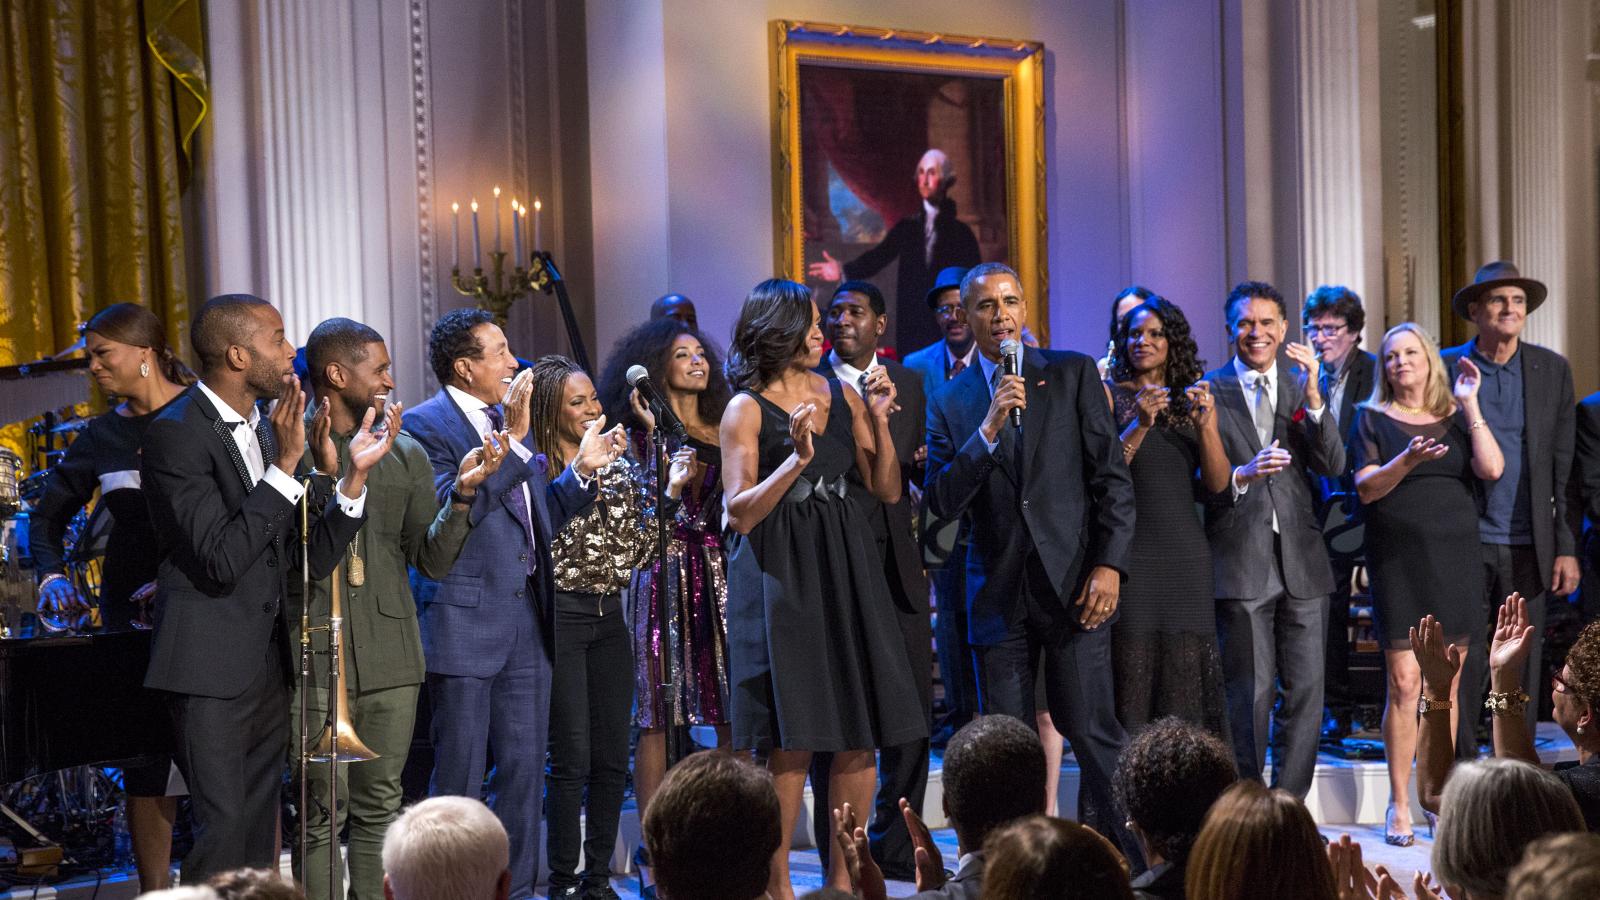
[{"x": 1531, "y": 131}]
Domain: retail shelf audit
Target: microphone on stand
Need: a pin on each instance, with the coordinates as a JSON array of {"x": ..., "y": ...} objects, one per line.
[
  {"x": 666, "y": 419},
  {"x": 1011, "y": 362}
]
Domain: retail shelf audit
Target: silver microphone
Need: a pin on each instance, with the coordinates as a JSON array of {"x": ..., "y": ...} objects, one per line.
[{"x": 1011, "y": 361}]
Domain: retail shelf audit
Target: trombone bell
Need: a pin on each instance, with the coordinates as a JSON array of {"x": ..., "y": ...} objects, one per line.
[{"x": 348, "y": 746}]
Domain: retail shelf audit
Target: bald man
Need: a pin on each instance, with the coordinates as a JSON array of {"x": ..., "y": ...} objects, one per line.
[{"x": 925, "y": 243}]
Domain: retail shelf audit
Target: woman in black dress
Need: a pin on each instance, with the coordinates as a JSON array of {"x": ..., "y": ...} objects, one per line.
[
  {"x": 815, "y": 657},
  {"x": 1419, "y": 453},
  {"x": 1164, "y": 643},
  {"x": 130, "y": 360}
]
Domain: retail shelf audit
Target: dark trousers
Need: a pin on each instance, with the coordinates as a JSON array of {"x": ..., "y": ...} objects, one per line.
[
  {"x": 231, "y": 754},
  {"x": 1506, "y": 568},
  {"x": 1079, "y": 691},
  {"x": 950, "y": 634},
  {"x": 1337, "y": 693},
  {"x": 1272, "y": 642},
  {"x": 902, "y": 772},
  {"x": 591, "y": 699},
  {"x": 508, "y": 712}
]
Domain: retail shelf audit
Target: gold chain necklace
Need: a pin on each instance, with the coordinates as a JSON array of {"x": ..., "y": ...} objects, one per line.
[{"x": 1408, "y": 410}]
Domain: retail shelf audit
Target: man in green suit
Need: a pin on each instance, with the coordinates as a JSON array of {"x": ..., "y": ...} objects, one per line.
[{"x": 383, "y": 665}]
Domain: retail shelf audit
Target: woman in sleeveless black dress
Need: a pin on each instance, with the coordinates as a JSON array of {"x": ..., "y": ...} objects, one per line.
[
  {"x": 814, "y": 652},
  {"x": 130, "y": 360},
  {"x": 1419, "y": 453},
  {"x": 1164, "y": 643}
]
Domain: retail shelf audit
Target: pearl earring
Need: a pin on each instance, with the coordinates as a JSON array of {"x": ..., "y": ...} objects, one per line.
[
  {"x": 1580, "y": 729},
  {"x": 144, "y": 370}
]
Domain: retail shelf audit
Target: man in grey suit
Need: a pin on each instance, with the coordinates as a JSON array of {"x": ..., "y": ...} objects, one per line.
[
  {"x": 1272, "y": 577},
  {"x": 1528, "y": 525}
]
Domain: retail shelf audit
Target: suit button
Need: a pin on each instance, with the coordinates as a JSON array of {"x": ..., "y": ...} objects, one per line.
[
  {"x": 272, "y": 561},
  {"x": 1024, "y": 504},
  {"x": 266, "y": 607},
  {"x": 519, "y": 594},
  {"x": 522, "y": 557}
]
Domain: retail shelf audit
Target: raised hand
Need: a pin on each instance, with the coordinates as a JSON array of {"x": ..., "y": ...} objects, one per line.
[
  {"x": 1270, "y": 461},
  {"x": 517, "y": 416},
  {"x": 1468, "y": 380},
  {"x": 1421, "y": 449},
  {"x": 800, "y": 431},
  {"x": 324, "y": 455},
  {"x": 828, "y": 269},
  {"x": 1150, "y": 402},
  {"x": 481, "y": 462},
  {"x": 368, "y": 445},
  {"x": 1512, "y": 642},
  {"x": 1202, "y": 405},
  {"x": 598, "y": 448},
  {"x": 679, "y": 470},
  {"x": 1305, "y": 356},
  {"x": 1438, "y": 661},
  {"x": 930, "y": 863},
  {"x": 641, "y": 410},
  {"x": 289, "y": 425},
  {"x": 1351, "y": 879},
  {"x": 880, "y": 393}
]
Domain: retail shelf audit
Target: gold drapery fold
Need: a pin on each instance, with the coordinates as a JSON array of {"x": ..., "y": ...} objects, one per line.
[{"x": 98, "y": 101}]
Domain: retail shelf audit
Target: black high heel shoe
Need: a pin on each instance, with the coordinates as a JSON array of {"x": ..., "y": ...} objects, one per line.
[{"x": 641, "y": 861}]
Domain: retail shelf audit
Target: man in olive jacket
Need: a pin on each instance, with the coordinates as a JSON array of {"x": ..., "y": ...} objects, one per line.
[{"x": 383, "y": 665}]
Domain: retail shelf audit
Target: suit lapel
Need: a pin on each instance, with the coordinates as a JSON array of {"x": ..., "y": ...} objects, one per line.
[
  {"x": 1533, "y": 389},
  {"x": 1284, "y": 406},
  {"x": 1037, "y": 412},
  {"x": 1231, "y": 400},
  {"x": 467, "y": 435},
  {"x": 224, "y": 433}
]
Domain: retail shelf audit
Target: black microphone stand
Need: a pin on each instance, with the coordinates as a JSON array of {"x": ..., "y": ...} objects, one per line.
[{"x": 670, "y": 673}]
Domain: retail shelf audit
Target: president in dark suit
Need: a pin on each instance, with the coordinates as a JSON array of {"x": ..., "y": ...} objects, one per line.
[
  {"x": 1528, "y": 524},
  {"x": 219, "y": 479},
  {"x": 1271, "y": 573},
  {"x": 923, "y": 244},
  {"x": 854, "y": 322},
  {"x": 1051, "y": 511},
  {"x": 487, "y": 626},
  {"x": 1332, "y": 319}
]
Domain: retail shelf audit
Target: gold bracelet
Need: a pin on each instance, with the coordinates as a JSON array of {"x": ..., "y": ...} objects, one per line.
[{"x": 1506, "y": 703}]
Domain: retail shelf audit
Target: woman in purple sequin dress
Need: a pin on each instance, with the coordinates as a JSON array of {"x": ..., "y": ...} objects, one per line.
[{"x": 694, "y": 633}]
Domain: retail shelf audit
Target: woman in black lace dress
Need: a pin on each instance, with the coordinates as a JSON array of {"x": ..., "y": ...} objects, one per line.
[
  {"x": 1164, "y": 642},
  {"x": 815, "y": 657}
]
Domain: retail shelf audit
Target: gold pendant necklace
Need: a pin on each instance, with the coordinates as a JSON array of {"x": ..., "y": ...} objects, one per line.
[{"x": 355, "y": 574}]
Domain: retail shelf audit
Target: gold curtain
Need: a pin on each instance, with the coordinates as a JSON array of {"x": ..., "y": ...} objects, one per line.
[{"x": 99, "y": 103}]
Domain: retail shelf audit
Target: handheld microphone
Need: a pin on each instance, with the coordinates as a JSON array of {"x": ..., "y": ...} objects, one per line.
[
  {"x": 639, "y": 378},
  {"x": 1011, "y": 361}
]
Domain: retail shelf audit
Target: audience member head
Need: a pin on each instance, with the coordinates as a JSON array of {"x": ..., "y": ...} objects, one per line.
[
  {"x": 349, "y": 364},
  {"x": 446, "y": 848},
  {"x": 127, "y": 345},
  {"x": 469, "y": 352},
  {"x": 563, "y": 406},
  {"x": 935, "y": 176},
  {"x": 777, "y": 330},
  {"x": 711, "y": 829},
  {"x": 1040, "y": 858},
  {"x": 1558, "y": 867},
  {"x": 1123, "y": 303},
  {"x": 1166, "y": 780},
  {"x": 239, "y": 341},
  {"x": 181, "y": 893},
  {"x": 675, "y": 306},
  {"x": 254, "y": 884},
  {"x": 1576, "y": 691},
  {"x": 992, "y": 302},
  {"x": 827, "y": 893},
  {"x": 1258, "y": 842},
  {"x": 1332, "y": 319},
  {"x": 1408, "y": 361},
  {"x": 1155, "y": 337},
  {"x": 1258, "y": 321},
  {"x": 944, "y": 298},
  {"x": 681, "y": 361},
  {"x": 994, "y": 772},
  {"x": 1491, "y": 810},
  {"x": 854, "y": 321}
]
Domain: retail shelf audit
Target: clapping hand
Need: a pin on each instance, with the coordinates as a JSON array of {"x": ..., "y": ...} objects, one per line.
[
  {"x": 481, "y": 462},
  {"x": 851, "y": 838},
  {"x": 324, "y": 455},
  {"x": 598, "y": 448},
  {"x": 1305, "y": 356},
  {"x": 1438, "y": 661},
  {"x": 800, "y": 432},
  {"x": 515, "y": 404},
  {"x": 679, "y": 470},
  {"x": 1421, "y": 449},
  {"x": 1202, "y": 404},
  {"x": 1354, "y": 881},
  {"x": 368, "y": 444},
  {"x": 930, "y": 863},
  {"x": 287, "y": 416},
  {"x": 1468, "y": 380},
  {"x": 880, "y": 393},
  {"x": 1150, "y": 402},
  {"x": 1270, "y": 461}
]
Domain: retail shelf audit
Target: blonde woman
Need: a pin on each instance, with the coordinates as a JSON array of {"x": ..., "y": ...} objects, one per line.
[{"x": 1420, "y": 449}]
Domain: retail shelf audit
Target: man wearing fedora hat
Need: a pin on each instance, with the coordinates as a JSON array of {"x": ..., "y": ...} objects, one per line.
[{"x": 1529, "y": 544}]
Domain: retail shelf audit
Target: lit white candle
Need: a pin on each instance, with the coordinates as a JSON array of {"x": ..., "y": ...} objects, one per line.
[
  {"x": 516, "y": 233},
  {"x": 477, "y": 249},
  {"x": 497, "y": 218},
  {"x": 537, "y": 243},
  {"x": 455, "y": 235}
]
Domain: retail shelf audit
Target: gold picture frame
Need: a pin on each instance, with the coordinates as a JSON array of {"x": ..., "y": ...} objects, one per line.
[{"x": 1017, "y": 65}]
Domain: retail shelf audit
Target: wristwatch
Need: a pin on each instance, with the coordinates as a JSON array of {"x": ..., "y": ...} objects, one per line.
[{"x": 1428, "y": 704}]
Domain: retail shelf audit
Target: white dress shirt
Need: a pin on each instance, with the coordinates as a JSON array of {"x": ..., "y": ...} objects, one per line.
[
  {"x": 477, "y": 413},
  {"x": 847, "y": 373},
  {"x": 1248, "y": 378},
  {"x": 244, "y": 435}
]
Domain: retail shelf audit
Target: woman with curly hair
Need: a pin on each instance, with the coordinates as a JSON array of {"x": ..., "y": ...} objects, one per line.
[
  {"x": 815, "y": 657},
  {"x": 1164, "y": 643},
  {"x": 693, "y": 633}
]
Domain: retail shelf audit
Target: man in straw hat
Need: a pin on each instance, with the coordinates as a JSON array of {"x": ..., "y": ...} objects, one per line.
[{"x": 1529, "y": 541}]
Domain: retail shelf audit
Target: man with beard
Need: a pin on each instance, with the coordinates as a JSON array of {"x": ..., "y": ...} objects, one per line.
[
  {"x": 222, "y": 497},
  {"x": 383, "y": 668},
  {"x": 854, "y": 322},
  {"x": 925, "y": 243}
]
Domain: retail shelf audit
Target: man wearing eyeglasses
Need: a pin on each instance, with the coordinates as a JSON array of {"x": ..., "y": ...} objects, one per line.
[{"x": 1332, "y": 319}]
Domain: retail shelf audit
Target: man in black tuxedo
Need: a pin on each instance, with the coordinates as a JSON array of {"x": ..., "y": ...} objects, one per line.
[
  {"x": 1332, "y": 319},
  {"x": 218, "y": 477},
  {"x": 1271, "y": 572},
  {"x": 854, "y": 322},
  {"x": 923, "y": 244},
  {"x": 1051, "y": 510},
  {"x": 1528, "y": 525}
]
